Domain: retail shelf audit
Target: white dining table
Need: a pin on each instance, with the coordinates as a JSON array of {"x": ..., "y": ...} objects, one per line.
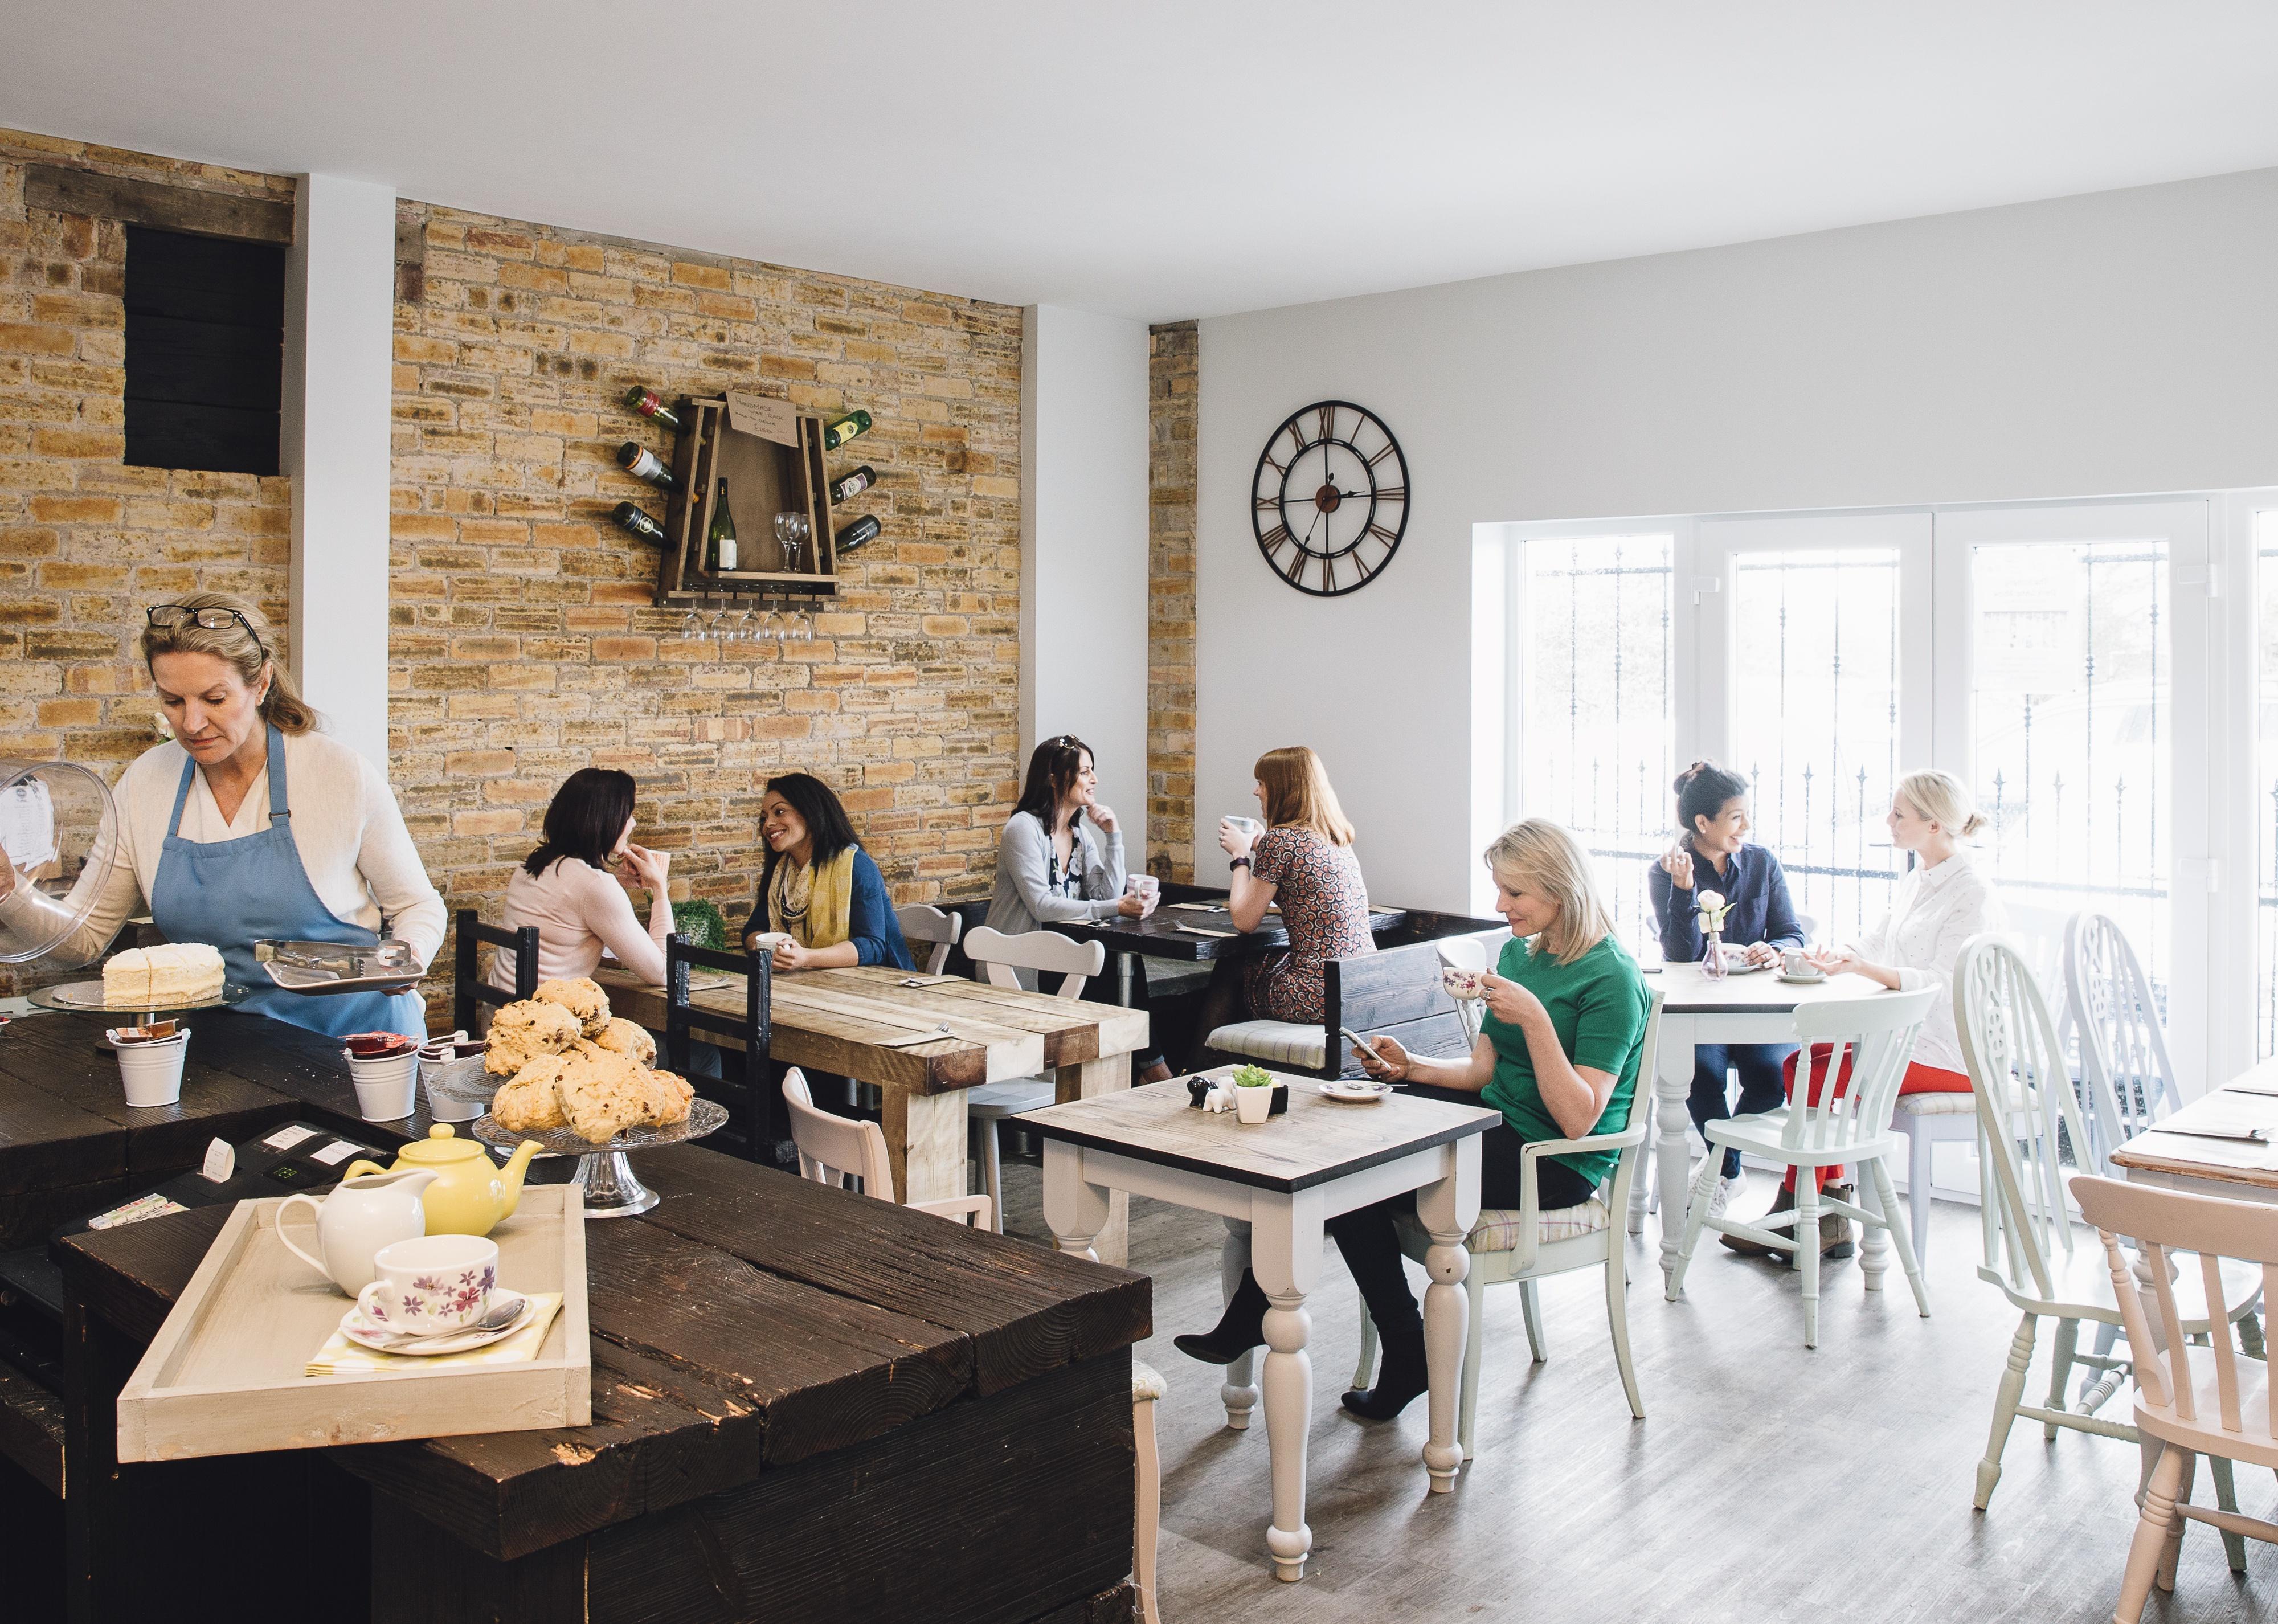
[
  {"x": 1752, "y": 1007},
  {"x": 1276, "y": 1184}
]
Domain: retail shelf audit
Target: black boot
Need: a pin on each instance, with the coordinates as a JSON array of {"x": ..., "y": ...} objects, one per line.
[
  {"x": 1402, "y": 1375},
  {"x": 1240, "y": 1329}
]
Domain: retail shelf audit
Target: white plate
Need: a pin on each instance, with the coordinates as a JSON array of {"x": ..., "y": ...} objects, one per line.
[
  {"x": 364, "y": 1334},
  {"x": 1803, "y": 980},
  {"x": 1356, "y": 1093}
]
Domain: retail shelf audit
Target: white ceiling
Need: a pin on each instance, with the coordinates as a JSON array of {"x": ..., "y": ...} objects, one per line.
[{"x": 1171, "y": 159}]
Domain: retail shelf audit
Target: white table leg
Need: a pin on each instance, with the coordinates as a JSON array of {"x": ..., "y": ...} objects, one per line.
[
  {"x": 1075, "y": 1210},
  {"x": 1448, "y": 1211},
  {"x": 1672, "y": 1159},
  {"x": 1285, "y": 1256},
  {"x": 1240, "y": 1390}
]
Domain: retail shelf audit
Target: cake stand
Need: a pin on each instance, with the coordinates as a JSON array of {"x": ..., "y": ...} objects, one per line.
[
  {"x": 86, "y": 998},
  {"x": 604, "y": 1174}
]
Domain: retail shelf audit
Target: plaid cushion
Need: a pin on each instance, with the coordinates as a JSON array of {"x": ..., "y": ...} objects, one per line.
[
  {"x": 1497, "y": 1230},
  {"x": 1276, "y": 1042},
  {"x": 1146, "y": 1383}
]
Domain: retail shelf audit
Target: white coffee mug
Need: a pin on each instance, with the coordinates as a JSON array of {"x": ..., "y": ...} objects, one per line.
[
  {"x": 768, "y": 940},
  {"x": 430, "y": 1285}
]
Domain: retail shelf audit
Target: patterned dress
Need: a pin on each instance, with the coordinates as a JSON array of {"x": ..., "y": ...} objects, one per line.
[{"x": 1325, "y": 907}]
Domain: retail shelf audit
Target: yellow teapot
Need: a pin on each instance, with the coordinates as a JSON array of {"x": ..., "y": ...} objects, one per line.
[{"x": 470, "y": 1193}]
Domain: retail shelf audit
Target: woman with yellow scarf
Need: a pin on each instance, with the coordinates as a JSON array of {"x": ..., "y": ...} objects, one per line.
[{"x": 820, "y": 892}]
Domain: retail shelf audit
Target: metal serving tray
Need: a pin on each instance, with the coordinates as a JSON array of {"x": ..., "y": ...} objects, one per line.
[{"x": 317, "y": 969}]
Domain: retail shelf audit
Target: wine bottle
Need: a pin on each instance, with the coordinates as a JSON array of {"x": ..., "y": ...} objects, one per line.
[
  {"x": 649, "y": 404},
  {"x": 855, "y": 534},
  {"x": 722, "y": 538},
  {"x": 860, "y": 480},
  {"x": 838, "y": 430},
  {"x": 641, "y": 463},
  {"x": 632, "y": 518}
]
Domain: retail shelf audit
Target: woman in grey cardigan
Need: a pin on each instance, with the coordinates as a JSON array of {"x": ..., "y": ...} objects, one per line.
[{"x": 1050, "y": 865}]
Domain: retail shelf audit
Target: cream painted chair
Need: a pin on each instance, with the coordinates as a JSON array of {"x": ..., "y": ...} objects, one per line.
[
  {"x": 1470, "y": 953},
  {"x": 2123, "y": 1045},
  {"x": 1846, "y": 1127},
  {"x": 832, "y": 1149},
  {"x": 2190, "y": 1402},
  {"x": 1147, "y": 1486},
  {"x": 999, "y": 955},
  {"x": 934, "y": 927},
  {"x": 2023, "y": 1093},
  {"x": 1523, "y": 1244}
]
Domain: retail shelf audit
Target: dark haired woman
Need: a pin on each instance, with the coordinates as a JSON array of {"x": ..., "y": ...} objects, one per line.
[
  {"x": 1051, "y": 869},
  {"x": 1712, "y": 854},
  {"x": 821, "y": 896},
  {"x": 573, "y": 887}
]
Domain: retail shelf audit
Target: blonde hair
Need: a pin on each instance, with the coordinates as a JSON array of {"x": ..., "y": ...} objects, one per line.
[
  {"x": 245, "y": 653},
  {"x": 1943, "y": 799},
  {"x": 1298, "y": 794},
  {"x": 1541, "y": 856}
]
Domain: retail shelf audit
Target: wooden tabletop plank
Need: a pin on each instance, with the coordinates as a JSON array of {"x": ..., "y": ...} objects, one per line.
[
  {"x": 2171, "y": 1148},
  {"x": 1317, "y": 1141}
]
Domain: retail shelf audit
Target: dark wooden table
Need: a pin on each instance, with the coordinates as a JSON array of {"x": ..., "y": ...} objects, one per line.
[
  {"x": 806, "y": 1402},
  {"x": 1158, "y": 935}
]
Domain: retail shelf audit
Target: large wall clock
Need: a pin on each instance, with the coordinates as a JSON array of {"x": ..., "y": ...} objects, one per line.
[{"x": 1330, "y": 500}]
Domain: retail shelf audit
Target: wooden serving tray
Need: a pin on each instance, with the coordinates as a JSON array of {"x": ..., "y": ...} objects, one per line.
[{"x": 225, "y": 1375}]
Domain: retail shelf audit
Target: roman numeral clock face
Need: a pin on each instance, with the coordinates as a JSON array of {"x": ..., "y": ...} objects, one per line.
[{"x": 1330, "y": 500}]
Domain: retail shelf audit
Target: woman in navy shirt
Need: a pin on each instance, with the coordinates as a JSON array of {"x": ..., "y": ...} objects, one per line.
[{"x": 1713, "y": 854}]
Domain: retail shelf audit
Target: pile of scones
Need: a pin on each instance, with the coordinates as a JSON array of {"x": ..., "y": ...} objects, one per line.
[{"x": 571, "y": 1063}]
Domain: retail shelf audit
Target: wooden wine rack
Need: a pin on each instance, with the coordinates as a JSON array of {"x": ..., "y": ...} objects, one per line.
[{"x": 764, "y": 478}]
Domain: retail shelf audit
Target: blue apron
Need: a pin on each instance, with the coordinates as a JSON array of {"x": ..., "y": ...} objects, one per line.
[{"x": 232, "y": 893}]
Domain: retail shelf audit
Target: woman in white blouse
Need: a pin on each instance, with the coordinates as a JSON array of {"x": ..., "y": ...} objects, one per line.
[
  {"x": 573, "y": 888},
  {"x": 250, "y": 824},
  {"x": 1941, "y": 902}
]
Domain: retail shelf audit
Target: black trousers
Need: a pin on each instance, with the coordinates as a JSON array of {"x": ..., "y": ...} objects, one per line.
[{"x": 1370, "y": 1239}]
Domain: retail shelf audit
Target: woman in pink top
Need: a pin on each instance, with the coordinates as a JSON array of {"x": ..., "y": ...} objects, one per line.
[{"x": 573, "y": 887}]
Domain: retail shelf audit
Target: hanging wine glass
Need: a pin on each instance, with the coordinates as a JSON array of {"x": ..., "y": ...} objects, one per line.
[
  {"x": 691, "y": 625},
  {"x": 806, "y": 621}
]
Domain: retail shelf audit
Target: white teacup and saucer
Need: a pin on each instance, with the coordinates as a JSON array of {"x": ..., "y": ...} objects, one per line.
[
  {"x": 434, "y": 1294},
  {"x": 1797, "y": 967}
]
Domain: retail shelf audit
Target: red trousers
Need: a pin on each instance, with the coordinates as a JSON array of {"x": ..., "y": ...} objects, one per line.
[{"x": 1919, "y": 1079}]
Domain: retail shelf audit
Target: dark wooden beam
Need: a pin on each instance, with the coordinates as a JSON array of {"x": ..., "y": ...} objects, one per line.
[
  {"x": 411, "y": 261},
  {"x": 147, "y": 203}
]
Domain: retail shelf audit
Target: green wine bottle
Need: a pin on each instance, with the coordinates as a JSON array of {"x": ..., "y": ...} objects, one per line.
[
  {"x": 723, "y": 536},
  {"x": 855, "y": 534},
  {"x": 860, "y": 480},
  {"x": 632, "y": 518},
  {"x": 641, "y": 463},
  {"x": 649, "y": 404},
  {"x": 838, "y": 430}
]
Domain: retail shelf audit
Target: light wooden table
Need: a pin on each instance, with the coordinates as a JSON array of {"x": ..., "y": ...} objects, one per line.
[
  {"x": 855, "y": 1023},
  {"x": 2240, "y": 1169},
  {"x": 1755, "y": 1007},
  {"x": 1276, "y": 1185}
]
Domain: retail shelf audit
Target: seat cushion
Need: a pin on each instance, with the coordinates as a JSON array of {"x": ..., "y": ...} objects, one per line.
[
  {"x": 1146, "y": 1383},
  {"x": 1010, "y": 1099},
  {"x": 1497, "y": 1230},
  {"x": 1935, "y": 1105},
  {"x": 1279, "y": 1042}
]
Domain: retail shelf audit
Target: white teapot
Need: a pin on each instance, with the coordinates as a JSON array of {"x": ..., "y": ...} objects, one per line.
[{"x": 359, "y": 1217}]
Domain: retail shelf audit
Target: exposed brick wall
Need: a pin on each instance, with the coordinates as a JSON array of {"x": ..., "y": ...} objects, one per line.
[
  {"x": 1172, "y": 370},
  {"x": 524, "y": 646}
]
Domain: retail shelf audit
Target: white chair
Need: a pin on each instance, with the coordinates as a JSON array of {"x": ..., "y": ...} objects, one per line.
[
  {"x": 933, "y": 926},
  {"x": 1849, "y": 1127},
  {"x": 999, "y": 955},
  {"x": 1147, "y": 1386},
  {"x": 1470, "y": 953},
  {"x": 2226, "y": 1418},
  {"x": 2021, "y": 1090},
  {"x": 2123, "y": 1046},
  {"x": 1523, "y": 1244},
  {"x": 833, "y": 1149}
]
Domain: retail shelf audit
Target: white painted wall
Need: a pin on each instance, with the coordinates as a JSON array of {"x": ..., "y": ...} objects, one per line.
[
  {"x": 1083, "y": 548},
  {"x": 2121, "y": 342},
  {"x": 339, "y": 337}
]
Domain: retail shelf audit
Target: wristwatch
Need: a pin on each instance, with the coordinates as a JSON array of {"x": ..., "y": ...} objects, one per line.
[{"x": 1239, "y": 863}]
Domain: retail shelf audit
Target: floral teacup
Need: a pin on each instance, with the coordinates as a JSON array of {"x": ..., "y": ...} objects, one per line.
[
  {"x": 1463, "y": 983},
  {"x": 430, "y": 1284}
]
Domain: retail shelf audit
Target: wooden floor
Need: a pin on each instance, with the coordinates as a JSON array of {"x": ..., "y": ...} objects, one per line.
[{"x": 1768, "y": 1481}]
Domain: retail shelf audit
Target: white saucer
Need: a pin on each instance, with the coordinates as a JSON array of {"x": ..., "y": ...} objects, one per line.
[
  {"x": 357, "y": 1330},
  {"x": 1356, "y": 1091},
  {"x": 1803, "y": 980}
]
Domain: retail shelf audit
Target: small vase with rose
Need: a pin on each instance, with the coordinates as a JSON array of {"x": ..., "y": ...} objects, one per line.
[{"x": 1713, "y": 908}]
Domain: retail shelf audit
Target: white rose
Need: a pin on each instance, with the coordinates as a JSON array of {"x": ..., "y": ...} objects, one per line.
[{"x": 1711, "y": 901}]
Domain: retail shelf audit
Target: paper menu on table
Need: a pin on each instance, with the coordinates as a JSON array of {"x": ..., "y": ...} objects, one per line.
[{"x": 28, "y": 824}]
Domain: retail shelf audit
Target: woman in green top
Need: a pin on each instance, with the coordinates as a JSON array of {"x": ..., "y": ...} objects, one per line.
[{"x": 1558, "y": 1056}]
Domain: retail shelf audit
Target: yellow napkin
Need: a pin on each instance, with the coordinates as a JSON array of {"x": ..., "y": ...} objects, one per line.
[{"x": 341, "y": 1357}]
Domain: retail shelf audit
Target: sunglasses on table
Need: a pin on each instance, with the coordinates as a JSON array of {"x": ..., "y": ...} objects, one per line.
[{"x": 167, "y": 616}]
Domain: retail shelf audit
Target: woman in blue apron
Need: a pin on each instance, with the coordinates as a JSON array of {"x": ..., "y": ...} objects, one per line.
[{"x": 251, "y": 824}]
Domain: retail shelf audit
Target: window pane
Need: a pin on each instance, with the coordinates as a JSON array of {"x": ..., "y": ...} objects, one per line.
[
  {"x": 1816, "y": 722},
  {"x": 2069, "y": 715},
  {"x": 1595, "y": 721}
]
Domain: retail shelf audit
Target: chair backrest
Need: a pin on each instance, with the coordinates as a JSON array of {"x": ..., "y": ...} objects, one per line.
[
  {"x": 833, "y": 1148},
  {"x": 2161, "y": 1222},
  {"x": 1395, "y": 990},
  {"x": 921, "y": 923},
  {"x": 998, "y": 955},
  {"x": 2123, "y": 1046},
  {"x": 1808, "y": 924},
  {"x": 750, "y": 1100},
  {"x": 469, "y": 990},
  {"x": 1877, "y": 1034},
  {"x": 2026, "y": 1112}
]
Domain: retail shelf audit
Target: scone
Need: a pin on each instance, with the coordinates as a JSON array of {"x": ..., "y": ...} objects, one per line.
[
  {"x": 622, "y": 1037},
  {"x": 668, "y": 1098},
  {"x": 532, "y": 1100},
  {"x": 583, "y": 999},
  {"x": 602, "y": 1103},
  {"x": 523, "y": 1030}
]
